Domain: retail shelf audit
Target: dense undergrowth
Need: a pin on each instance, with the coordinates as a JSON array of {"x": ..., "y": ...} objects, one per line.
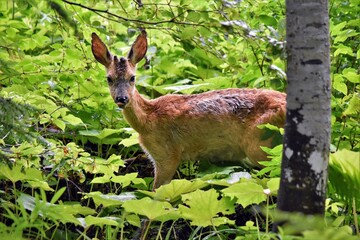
[{"x": 71, "y": 167}]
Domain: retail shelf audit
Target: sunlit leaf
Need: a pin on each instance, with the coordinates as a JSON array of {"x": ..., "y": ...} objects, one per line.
[
  {"x": 62, "y": 213},
  {"x": 130, "y": 141},
  {"x": 273, "y": 184},
  {"x": 127, "y": 179},
  {"x": 341, "y": 49},
  {"x": 339, "y": 85},
  {"x": 152, "y": 209},
  {"x": 102, "y": 180},
  {"x": 72, "y": 119},
  {"x": 40, "y": 184},
  {"x": 100, "y": 221},
  {"x": 107, "y": 200},
  {"x": 246, "y": 193},
  {"x": 173, "y": 191},
  {"x": 60, "y": 124},
  {"x": 203, "y": 208}
]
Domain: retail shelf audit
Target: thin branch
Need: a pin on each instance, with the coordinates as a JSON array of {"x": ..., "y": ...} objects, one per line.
[{"x": 99, "y": 11}]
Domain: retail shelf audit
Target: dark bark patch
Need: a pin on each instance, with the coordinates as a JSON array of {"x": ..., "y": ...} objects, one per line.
[
  {"x": 315, "y": 25},
  {"x": 312, "y": 62}
]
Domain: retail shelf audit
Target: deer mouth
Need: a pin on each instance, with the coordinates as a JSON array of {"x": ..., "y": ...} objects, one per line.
[{"x": 121, "y": 105}]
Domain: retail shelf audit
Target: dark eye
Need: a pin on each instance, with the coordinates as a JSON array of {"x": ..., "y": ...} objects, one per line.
[
  {"x": 132, "y": 79},
  {"x": 109, "y": 80}
]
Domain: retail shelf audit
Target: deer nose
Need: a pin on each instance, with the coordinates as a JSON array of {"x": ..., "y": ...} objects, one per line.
[{"x": 121, "y": 100}]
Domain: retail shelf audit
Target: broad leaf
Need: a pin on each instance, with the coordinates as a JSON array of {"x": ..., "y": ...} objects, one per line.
[
  {"x": 203, "y": 208},
  {"x": 172, "y": 192},
  {"x": 246, "y": 193},
  {"x": 107, "y": 200},
  {"x": 152, "y": 209}
]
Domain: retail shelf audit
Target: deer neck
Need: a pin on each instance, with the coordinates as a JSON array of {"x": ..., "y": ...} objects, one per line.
[{"x": 137, "y": 112}]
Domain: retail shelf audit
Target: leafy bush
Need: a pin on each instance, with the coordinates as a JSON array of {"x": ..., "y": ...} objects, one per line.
[{"x": 72, "y": 159}]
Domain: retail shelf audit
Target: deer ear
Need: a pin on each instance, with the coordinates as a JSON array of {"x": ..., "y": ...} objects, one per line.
[
  {"x": 100, "y": 51},
  {"x": 138, "y": 49}
]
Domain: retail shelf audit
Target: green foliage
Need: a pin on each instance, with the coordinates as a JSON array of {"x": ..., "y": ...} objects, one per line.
[
  {"x": 203, "y": 207},
  {"x": 344, "y": 174},
  {"x": 60, "y": 128}
]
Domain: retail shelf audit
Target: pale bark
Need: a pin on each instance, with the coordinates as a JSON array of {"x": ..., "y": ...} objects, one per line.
[{"x": 307, "y": 130}]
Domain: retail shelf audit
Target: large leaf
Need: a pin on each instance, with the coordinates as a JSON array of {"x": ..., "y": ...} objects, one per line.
[
  {"x": 152, "y": 209},
  {"x": 344, "y": 174},
  {"x": 110, "y": 199},
  {"x": 203, "y": 208},
  {"x": 100, "y": 134},
  {"x": 246, "y": 193},
  {"x": 172, "y": 192},
  {"x": 55, "y": 212}
]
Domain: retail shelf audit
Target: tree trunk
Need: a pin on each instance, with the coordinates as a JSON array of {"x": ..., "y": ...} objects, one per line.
[{"x": 307, "y": 129}]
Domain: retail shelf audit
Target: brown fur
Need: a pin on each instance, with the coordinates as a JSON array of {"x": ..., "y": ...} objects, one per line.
[{"x": 216, "y": 126}]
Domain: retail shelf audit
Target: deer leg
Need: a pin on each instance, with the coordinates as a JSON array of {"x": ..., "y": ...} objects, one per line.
[{"x": 165, "y": 171}]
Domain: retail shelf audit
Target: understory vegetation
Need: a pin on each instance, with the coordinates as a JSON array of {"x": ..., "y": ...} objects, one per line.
[{"x": 71, "y": 167}]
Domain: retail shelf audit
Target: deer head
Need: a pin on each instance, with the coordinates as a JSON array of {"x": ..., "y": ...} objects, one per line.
[{"x": 120, "y": 72}]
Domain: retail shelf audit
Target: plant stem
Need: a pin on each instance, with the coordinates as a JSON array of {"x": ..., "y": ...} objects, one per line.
[
  {"x": 355, "y": 217},
  {"x": 147, "y": 225},
  {"x": 159, "y": 231},
  {"x": 267, "y": 214},
  {"x": 258, "y": 227}
]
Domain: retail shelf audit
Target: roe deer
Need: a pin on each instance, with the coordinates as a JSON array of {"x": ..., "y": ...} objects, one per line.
[{"x": 218, "y": 125}]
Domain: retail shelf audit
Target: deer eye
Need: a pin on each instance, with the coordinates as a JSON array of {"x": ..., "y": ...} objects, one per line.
[
  {"x": 109, "y": 80},
  {"x": 132, "y": 79}
]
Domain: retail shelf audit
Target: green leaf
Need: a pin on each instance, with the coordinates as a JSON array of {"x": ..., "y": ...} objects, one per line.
[
  {"x": 351, "y": 75},
  {"x": 341, "y": 49},
  {"x": 72, "y": 119},
  {"x": 13, "y": 174},
  {"x": 354, "y": 105},
  {"x": 100, "y": 221},
  {"x": 173, "y": 191},
  {"x": 106, "y": 132},
  {"x": 60, "y": 124},
  {"x": 203, "y": 208},
  {"x": 101, "y": 180},
  {"x": 338, "y": 221},
  {"x": 273, "y": 184},
  {"x": 108, "y": 200},
  {"x": 40, "y": 184},
  {"x": 268, "y": 20},
  {"x": 246, "y": 193},
  {"x": 152, "y": 209},
  {"x": 187, "y": 88},
  {"x": 133, "y": 219},
  {"x": 344, "y": 174},
  {"x": 62, "y": 213},
  {"x": 58, "y": 194},
  {"x": 335, "y": 30},
  {"x": 127, "y": 179},
  {"x": 188, "y": 33},
  {"x": 269, "y": 126},
  {"x": 131, "y": 141},
  {"x": 345, "y": 35},
  {"x": 339, "y": 85},
  {"x": 105, "y": 136}
]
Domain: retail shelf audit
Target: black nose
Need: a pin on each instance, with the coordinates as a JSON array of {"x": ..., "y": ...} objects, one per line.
[{"x": 122, "y": 100}]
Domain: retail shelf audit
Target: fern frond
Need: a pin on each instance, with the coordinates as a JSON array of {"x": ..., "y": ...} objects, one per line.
[{"x": 344, "y": 175}]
